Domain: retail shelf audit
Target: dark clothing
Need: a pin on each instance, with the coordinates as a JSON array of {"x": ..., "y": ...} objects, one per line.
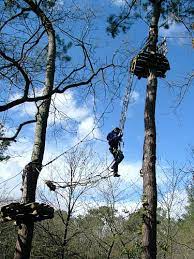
[
  {"x": 114, "y": 139},
  {"x": 118, "y": 157}
]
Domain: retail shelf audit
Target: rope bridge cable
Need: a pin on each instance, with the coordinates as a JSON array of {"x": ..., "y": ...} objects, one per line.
[
  {"x": 79, "y": 142},
  {"x": 125, "y": 105},
  {"x": 126, "y": 99},
  {"x": 85, "y": 137},
  {"x": 9, "y": 179},
  {"x": 83, "y": 182}
]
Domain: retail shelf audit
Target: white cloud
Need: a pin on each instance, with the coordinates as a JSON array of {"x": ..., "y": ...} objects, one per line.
[
  {"x": 67, "y": 105},
  {"x": 11, "y": 171},
  {"x": 175, "y": 202},
  {"x": 118, "y": 2},
  {"x": 134, "y": 97},
  {"x": 20, "y": 153},
  {"x": 87, "y": 127},
  {"x": 127, "y": 207},
  {"x": 123, "y": 208},
  {"x": 175, "y": 33},
  {"x": 62, "y": 106},
  {"x": 130, "y": 172},
  {"x": 27, "y": 109}
]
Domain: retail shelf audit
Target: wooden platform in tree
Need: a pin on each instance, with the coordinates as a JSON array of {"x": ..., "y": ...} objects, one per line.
[
  {"x": 141, "y": 64},
  {"x": 21, "y": 211}
]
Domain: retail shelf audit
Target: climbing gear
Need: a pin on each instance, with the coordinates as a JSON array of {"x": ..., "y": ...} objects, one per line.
[
  {"x": 114, "y": 136},
  {"x": 140, "y": 66},
  {"x": 103, "y": 175},
  {"x": 115, "y": 169},
  {"x": 118, "y": 157},
  {"x": 117, "y": 154},
  {"x": 162, "y": 47}
]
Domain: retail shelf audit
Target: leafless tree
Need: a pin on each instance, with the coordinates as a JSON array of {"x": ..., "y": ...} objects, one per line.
[
  {"x": 80, "y": 170},
  {"x": 172, "y": 200}
]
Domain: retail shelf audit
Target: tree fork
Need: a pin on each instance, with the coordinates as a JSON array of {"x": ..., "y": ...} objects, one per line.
[{"x": 149, "y": 228}]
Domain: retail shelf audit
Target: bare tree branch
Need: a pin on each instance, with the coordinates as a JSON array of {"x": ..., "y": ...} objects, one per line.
[
  {"x": 15, "y": 16},
  {"x": 22, "y": 71},
  {"x": 55, "y": 90},
  {"x": 17, "y": 131}
]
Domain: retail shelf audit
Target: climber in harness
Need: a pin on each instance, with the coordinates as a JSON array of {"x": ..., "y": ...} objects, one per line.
[{"x": 114, "y": 139}]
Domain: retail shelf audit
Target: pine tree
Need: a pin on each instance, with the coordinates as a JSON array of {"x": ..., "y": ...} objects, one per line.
[{"x": 169, "y": 12}]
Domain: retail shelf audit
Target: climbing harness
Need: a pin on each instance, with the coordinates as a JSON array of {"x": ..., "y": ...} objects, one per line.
[
  {"x": 118, "y": 154},
  {"x": 140, "y": 66}
]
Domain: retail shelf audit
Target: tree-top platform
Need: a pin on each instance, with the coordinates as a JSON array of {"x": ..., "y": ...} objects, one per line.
[
  {"x": 23, "y": 211},
  {"x": 145, "y": 60}
]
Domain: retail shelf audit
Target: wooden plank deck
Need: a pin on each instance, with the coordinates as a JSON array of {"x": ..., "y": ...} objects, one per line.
[{"x": 18, "y": 211}]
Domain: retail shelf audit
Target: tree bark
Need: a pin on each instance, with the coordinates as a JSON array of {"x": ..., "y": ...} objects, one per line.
[
  {"x": 149, "y": 247},
  {"x": 32, "y": 170},
  {"x": 149, "y": 174}
]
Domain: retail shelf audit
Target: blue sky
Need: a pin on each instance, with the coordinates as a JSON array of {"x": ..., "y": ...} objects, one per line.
[{"x": 174, "y": 126}]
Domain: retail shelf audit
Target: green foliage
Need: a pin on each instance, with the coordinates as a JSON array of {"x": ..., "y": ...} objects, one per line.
[
  {"x": 9, "y": 3},
  {"x": 171, "y": 11},
  {"x": 8, "y": 233},
  {"x": 92, "y": 235},
  {"x": 177, "y": 11},
  {"x": 48, "y": 3},
  {"x": 62, "y": 49},
  {"x": 117, "y": 24},
  {"x": 175, "y": 237},
  {"x": 190, "y": 207}
]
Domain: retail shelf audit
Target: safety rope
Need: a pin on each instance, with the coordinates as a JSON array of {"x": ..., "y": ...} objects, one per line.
[
  {"x": 83, "y": 182},
  {"x": 126, "y": 99}
]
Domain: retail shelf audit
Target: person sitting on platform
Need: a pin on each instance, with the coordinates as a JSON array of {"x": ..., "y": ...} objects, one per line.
[{"x": 114, "y": 139}]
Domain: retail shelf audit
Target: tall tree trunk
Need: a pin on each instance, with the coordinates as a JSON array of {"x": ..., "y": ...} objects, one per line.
[
  {"x": 149, "y": 150},
  {"x": 31, "y": 171}
]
